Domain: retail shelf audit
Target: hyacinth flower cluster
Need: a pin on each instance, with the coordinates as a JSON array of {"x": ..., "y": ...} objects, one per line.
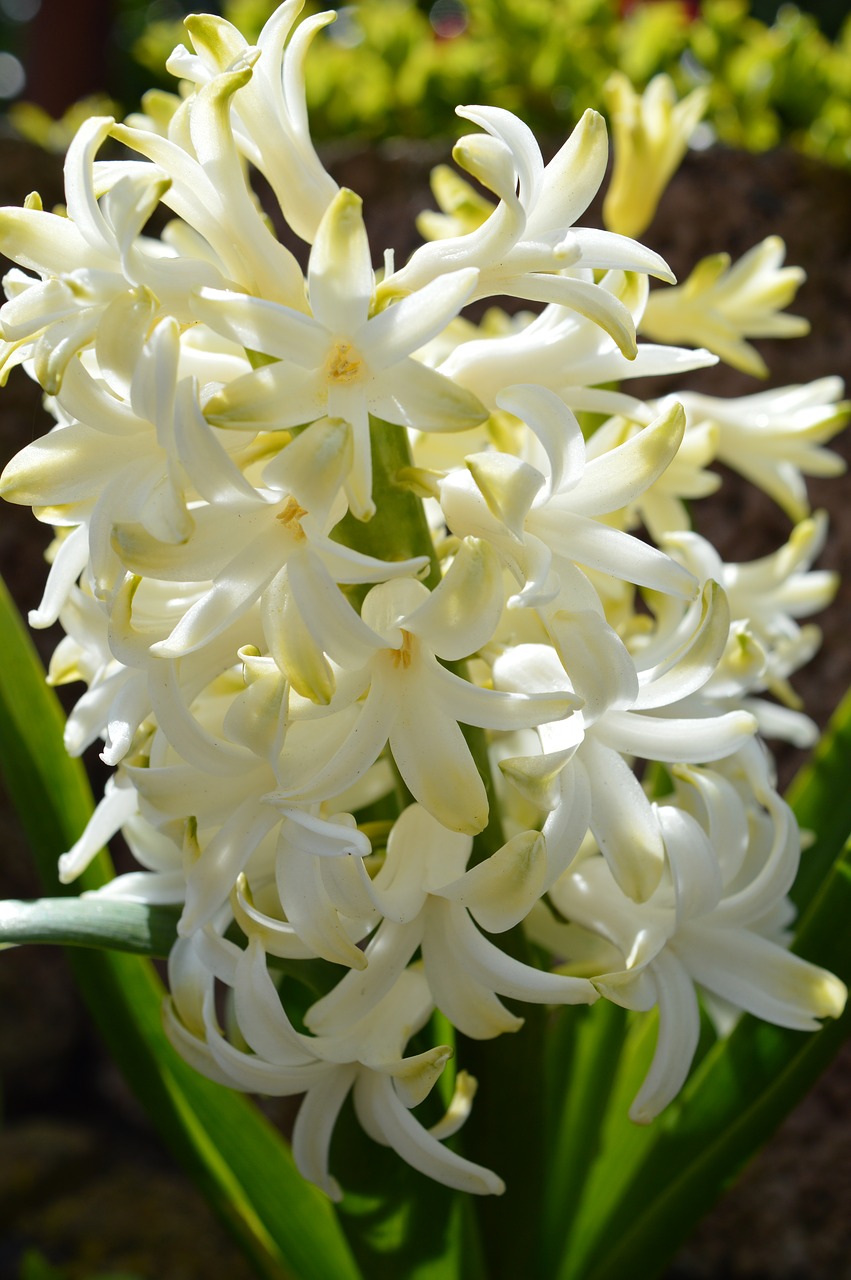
[{"x": 398, "y": 668}]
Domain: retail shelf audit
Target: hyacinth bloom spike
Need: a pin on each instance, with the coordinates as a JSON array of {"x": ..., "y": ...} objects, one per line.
[{"x": 422, "y": 693}]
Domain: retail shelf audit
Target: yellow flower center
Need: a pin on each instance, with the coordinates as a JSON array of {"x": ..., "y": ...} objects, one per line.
[
  {"x": 344, "y": 364},
  {"x": 290, "y": 516}
]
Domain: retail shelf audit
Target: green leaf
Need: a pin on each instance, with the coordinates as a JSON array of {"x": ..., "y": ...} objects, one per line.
[
  {"x": 83, "y": 922},
  {"x": 583, "y": 1049},
  {"x": 239, "y": 1161},
  {"x": 821, "y": 798}
]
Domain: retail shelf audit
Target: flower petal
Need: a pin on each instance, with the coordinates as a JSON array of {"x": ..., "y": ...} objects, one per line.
[
  {"x": 339, "y": 274},
  {"x": 380, "y": 1109},
  {"x": 412, "y": 395},
  {"x": 623, "y": 821},
  {"x": 431, "y": 754},
  {"x": 761, "y": 977},
  {"x": 676, "y": 1040},
  {"x": 260, "y": 325},
  {"x": 410, "y": 323},
  {"x": 463, "y": 611}
]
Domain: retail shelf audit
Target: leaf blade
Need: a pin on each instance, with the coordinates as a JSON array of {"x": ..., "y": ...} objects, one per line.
[
  {"x": 821, "y": 799},
  {"x": 133, "y": 927}
]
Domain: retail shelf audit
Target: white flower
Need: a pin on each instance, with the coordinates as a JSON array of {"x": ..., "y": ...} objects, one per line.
[
  {"x": 528, "y": 247},
  {"x": 141, "y": 451},
  {"x": 340, "y": 360},
  {"x": 775, "y": 438},
  {"x": 424, "y": 895},
  {"x": 573, "y": 353},
  {"x": 413, "y": 702},
  {"x": 305, "y": 711},
  {"x": 100, "y": 275},
  {"x": 269, "y": 118},
  {"x": 652, "y": 131},
  {"x": 662, "y": 507},
  {"x": 543, "y": 526},
  {"x": 766, "y": 643},
  {"x": 716, "y": 920},
  {"x": 629, "y": 711},
  {"x": 720, "y": 305},
  {"x": 368, "y": 1060},
  {"x": 241, "y": 549},
  {"x": 207, "y": 188}
]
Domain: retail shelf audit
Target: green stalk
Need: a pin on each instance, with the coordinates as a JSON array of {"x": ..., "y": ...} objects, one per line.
[{"x": 399, "y": 529}]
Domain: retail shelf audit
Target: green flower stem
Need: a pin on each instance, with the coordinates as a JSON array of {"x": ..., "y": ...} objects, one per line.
[
  {"x": 399, "y": 529},
  {"x": 87, "y": 922}
]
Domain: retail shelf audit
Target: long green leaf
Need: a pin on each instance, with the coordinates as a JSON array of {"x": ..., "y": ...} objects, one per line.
[
  {"x": 583, "y": 1051},
  {"x": 240, "y": 1162},
  {"x": 821, "y": 798}
]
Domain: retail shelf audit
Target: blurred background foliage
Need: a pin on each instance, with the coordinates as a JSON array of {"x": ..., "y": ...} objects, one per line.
[{"x": 398, "y": 67}]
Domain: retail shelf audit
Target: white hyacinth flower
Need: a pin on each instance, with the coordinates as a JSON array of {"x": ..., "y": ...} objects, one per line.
[
  {"x": 392, "y": 623},
  {"x": 341, "y": 360},
  {"x": 716, "y": 921},
  {"x": 719, "y": 306},
  {"x": 775, "y": 438},
  {"x": 652, "y": 131}
]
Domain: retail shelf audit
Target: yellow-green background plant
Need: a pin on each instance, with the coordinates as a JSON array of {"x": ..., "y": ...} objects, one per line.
[{"x": 781, "y": 81}]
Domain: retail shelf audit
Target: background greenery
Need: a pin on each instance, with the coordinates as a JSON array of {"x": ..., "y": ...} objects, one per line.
[{"x": 398, "y": 67}]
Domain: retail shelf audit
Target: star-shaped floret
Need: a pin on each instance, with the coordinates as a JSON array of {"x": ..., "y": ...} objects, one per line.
[{"x": 340, "y": 359}]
